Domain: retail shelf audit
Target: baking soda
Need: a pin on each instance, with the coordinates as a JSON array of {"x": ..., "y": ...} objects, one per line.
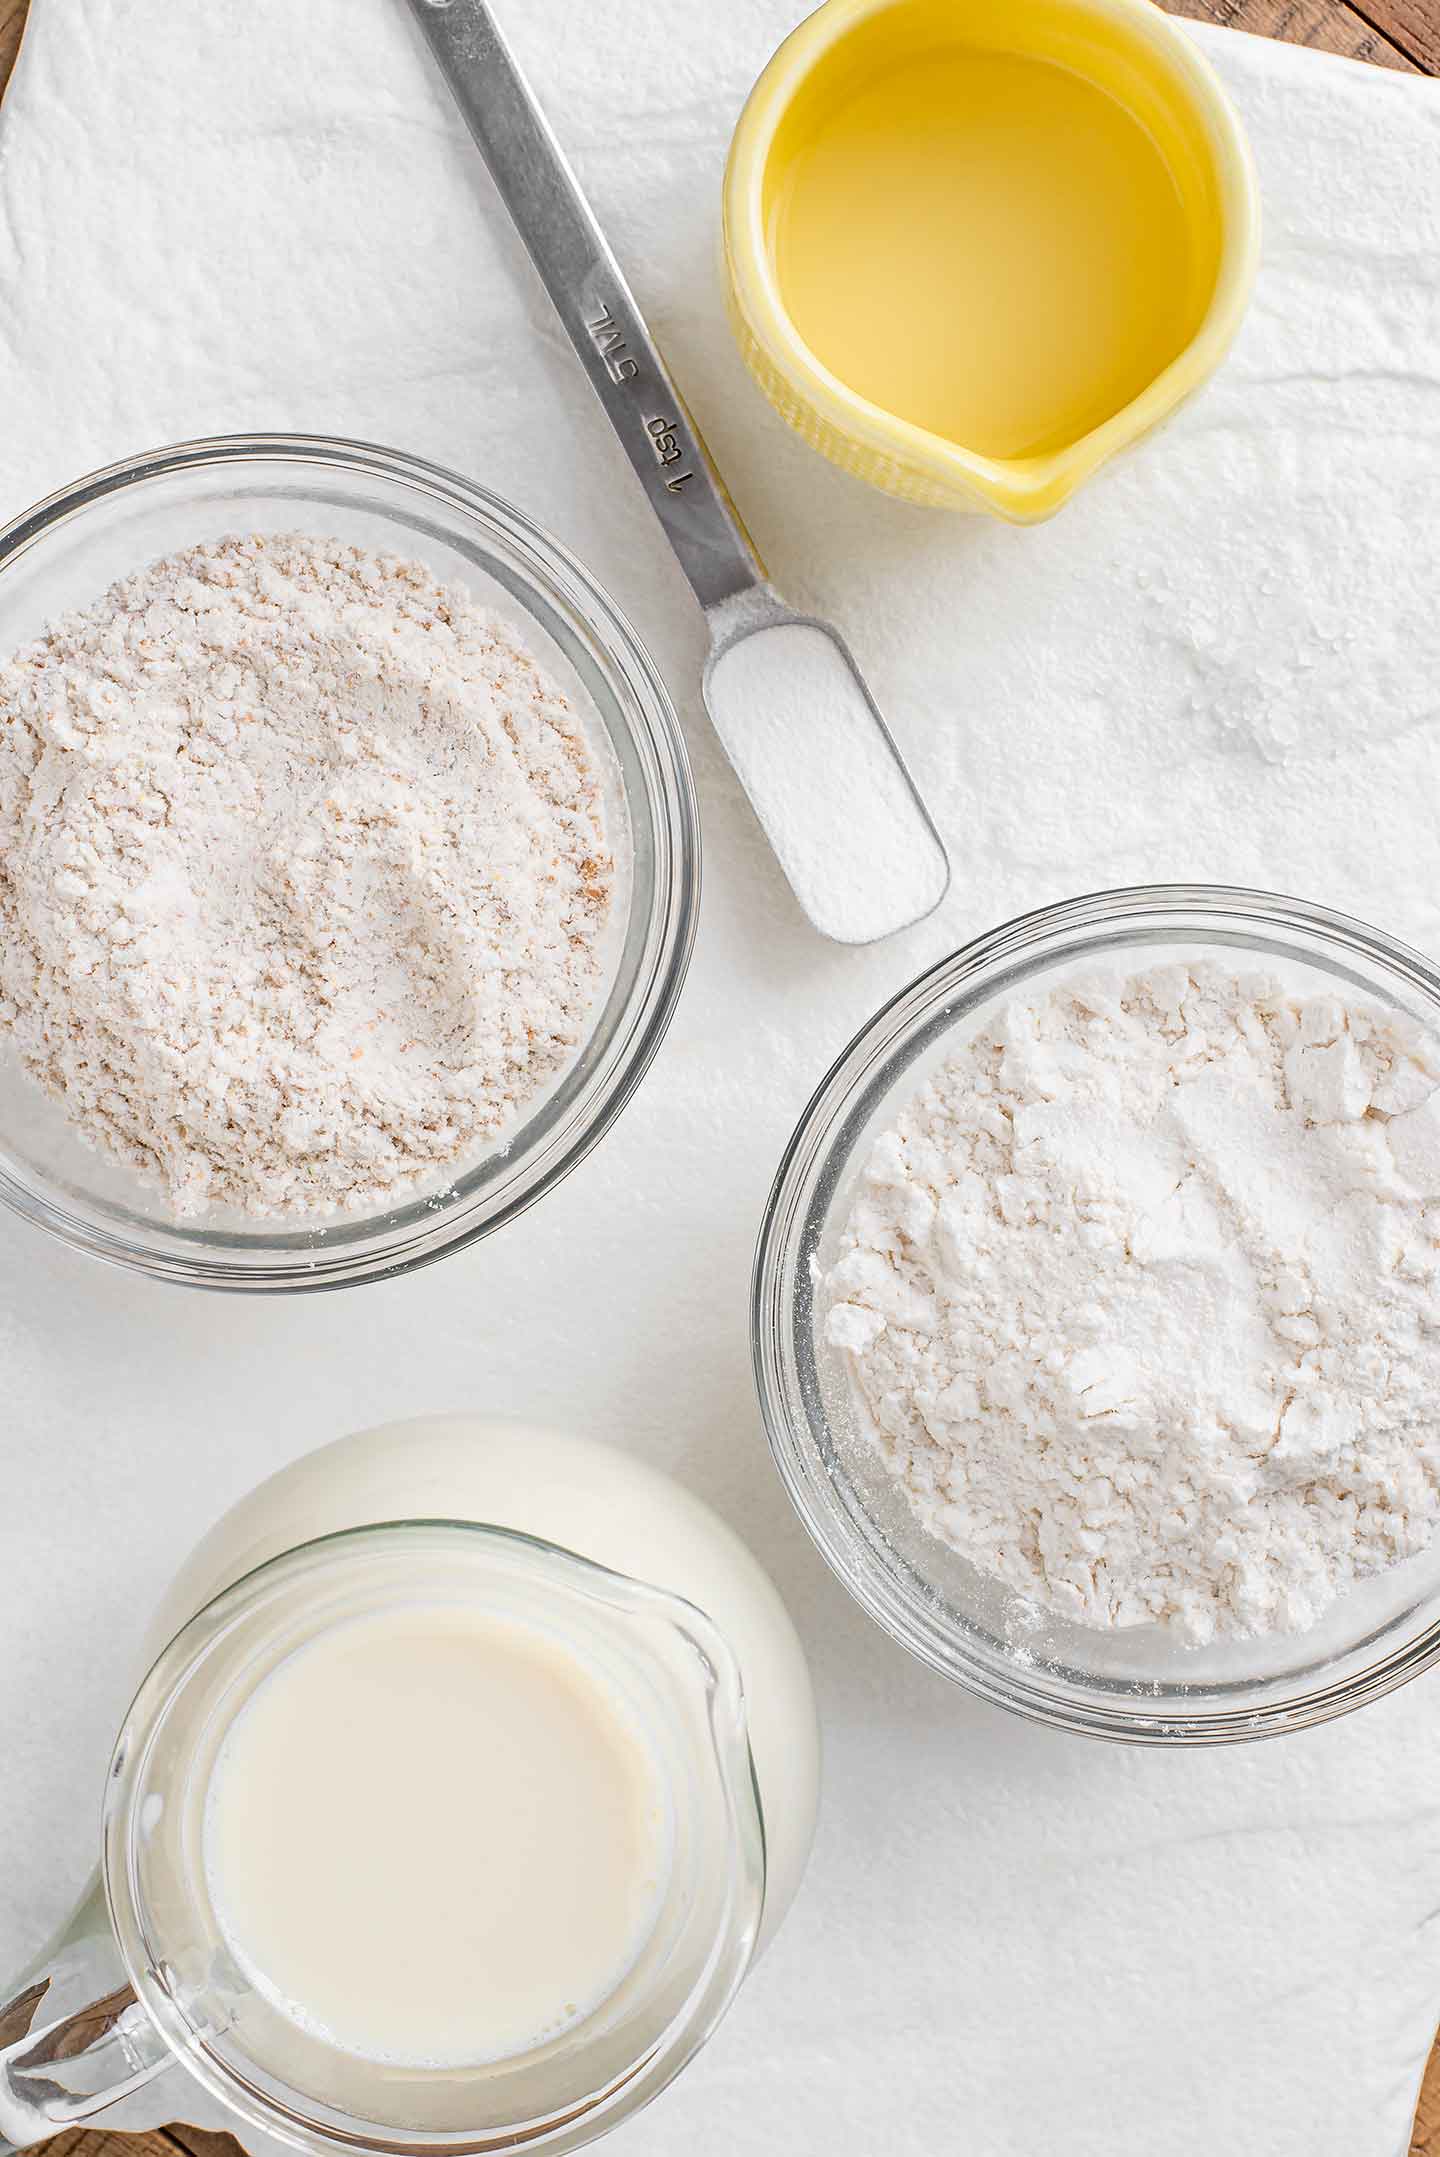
[{"x": 847, "y": 829}]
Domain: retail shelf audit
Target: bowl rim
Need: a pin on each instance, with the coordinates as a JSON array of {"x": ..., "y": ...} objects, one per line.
[
  {"x": 1037, "y": 1693},
  {"x": 640, "y": 1024},
  {"x": 1022, "y": 490}
]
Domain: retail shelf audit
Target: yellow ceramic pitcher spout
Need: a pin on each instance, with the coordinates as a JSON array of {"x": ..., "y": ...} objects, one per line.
[{"x": 976, "y": 247}]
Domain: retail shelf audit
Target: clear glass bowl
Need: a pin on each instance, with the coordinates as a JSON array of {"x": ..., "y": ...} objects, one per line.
[
  {"x": 67, "y": 550},
  {"x": 1141, "y": 1685}
]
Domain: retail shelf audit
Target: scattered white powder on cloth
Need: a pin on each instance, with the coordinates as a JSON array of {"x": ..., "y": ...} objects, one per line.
[
  {"x": 302, "y": 873},
  {"x": 1140, "y": 1293}
]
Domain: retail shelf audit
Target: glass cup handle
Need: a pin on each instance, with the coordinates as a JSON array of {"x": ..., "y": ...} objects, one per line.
[{"x": 74, "y": 2039}]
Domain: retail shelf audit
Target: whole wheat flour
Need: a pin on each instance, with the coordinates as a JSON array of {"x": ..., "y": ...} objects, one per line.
[
  {"x": 1140, "y": 1295},
  {"x": 302, "y": 873}
]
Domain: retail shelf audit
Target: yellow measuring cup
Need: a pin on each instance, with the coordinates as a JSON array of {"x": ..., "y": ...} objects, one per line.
[{"x": 975, "y": 247}]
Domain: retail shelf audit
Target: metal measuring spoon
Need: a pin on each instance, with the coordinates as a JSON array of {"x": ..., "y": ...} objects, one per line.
[{"x": 783, "y": 692}]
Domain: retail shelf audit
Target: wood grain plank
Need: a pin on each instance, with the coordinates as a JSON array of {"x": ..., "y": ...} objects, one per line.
[
  {"x": 195, "y": 2142},
  {"x": 177, "y": 2141},
  {"x": 1413, "y": 25},
  {"x": 97, "y": 2142},
  {"x": 1425, "y": 2134},
  {"x": 1327, "y": 25},
  {"x": 12, "y": 23}
]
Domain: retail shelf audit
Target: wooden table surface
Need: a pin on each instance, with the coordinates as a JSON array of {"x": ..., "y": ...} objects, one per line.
[{"x": 1401, "y": 34}]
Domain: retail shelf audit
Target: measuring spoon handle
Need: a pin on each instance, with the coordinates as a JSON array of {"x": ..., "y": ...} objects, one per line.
[{"x": 591, "y": 298}]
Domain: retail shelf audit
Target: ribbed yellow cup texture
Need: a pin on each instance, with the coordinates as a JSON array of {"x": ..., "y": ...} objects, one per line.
[{"x": 1128, "y": 51}]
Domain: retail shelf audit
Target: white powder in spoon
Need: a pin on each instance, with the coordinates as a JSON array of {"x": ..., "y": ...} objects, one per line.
[
  {"x": 302, "y": 873},
  {"x": 848, "y": 830},
  {"x": 1141, "y": 1294}
]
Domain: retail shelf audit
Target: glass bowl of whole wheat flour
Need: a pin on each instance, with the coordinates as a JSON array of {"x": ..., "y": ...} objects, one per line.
[
  {"x": 592, "y": 798},
  {"x": 1096, "y": 1315}
]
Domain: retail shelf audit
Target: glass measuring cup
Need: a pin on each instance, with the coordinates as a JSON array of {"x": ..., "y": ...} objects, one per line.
[{"x": 142, "y": 2004}]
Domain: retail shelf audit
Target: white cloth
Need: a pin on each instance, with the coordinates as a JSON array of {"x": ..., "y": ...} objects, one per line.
[{"x": 217, "y": 218}]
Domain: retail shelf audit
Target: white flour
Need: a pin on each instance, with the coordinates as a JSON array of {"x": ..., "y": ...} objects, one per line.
[
  {"x": 302, "y": 872},
  {"x": 1140, "y": 1293}
]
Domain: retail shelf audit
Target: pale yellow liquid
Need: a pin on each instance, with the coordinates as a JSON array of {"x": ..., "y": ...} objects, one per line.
[
  {"x": 435, "y": 1838},
  {"x": 989, "y": 246},
  {"x": 597, "y": 1499}
]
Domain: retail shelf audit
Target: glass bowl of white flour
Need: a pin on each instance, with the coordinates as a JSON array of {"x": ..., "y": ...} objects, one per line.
[
  {"x": 1096, "y": 1315},
  {"x": 350, "y": 863}
]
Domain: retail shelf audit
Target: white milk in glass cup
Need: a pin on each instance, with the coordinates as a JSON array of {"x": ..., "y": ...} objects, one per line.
[{"x": 449, "y": 1821}]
